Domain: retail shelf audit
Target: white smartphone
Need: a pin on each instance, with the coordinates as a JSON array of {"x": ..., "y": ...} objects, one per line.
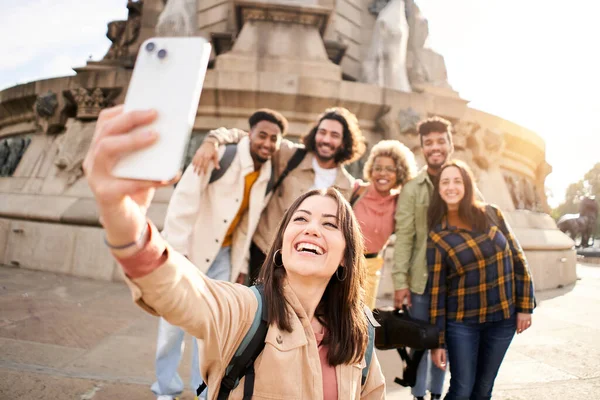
[{"x": 168, "y": 77}]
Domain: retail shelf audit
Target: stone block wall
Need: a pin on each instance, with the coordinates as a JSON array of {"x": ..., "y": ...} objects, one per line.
[
  {"x": 215, "y": 16},
  {"x": 352, "y": 25}
]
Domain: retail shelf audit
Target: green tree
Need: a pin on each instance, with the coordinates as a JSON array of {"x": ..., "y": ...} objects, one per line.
[{"x": 592, "y": 179}]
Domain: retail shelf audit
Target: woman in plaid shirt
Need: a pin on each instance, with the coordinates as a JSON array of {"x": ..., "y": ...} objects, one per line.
[{"x": 481, "y": 287}]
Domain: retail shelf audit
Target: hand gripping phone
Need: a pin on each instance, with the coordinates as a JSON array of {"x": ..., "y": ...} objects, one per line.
[{"x": 168, "y": 77}]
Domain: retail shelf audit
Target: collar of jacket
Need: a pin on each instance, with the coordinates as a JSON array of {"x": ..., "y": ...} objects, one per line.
[
  {"x": 247, "y": 162},
  {"x": 423, "y": 177},
  {"x": 342, "y": 179}
]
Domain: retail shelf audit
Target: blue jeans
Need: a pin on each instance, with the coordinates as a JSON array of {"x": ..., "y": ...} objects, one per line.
[
  {"x": 475, "y": 352},
  {"x": 428, "y": 375},
  {"x": 169, "y": 347}
]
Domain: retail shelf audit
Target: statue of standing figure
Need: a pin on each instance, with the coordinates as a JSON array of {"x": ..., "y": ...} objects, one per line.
[
  {"x": 424, "y": 65},
  {"x": 385, "y": 64},
  {"x": 178, "y": 18},
  {"x": 11, "y": 151}
]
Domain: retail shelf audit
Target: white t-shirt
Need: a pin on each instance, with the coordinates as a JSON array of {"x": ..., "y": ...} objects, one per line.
[{"x": 324, "y": 178}]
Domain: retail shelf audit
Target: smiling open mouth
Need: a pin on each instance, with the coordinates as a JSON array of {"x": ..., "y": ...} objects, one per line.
[{"x": 309, "y": 248}]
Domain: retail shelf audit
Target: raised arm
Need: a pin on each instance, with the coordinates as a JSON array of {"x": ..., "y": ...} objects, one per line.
[
  {"x": 161, "y": 279},
  {"x": 405, "y": 241},
  {"x": 218, "y": 312},
  {"x": 207, "y": 153}
]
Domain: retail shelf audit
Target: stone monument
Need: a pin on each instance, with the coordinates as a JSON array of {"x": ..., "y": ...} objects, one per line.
[
  {"x": 385, "y": 64},
  {"x": 298, "y": 57}
]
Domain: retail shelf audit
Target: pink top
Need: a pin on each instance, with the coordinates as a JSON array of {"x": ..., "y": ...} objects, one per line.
[
  {"x": 154, "y": 254},
  {"x": 330, "y": 391},
  {"x": 375, "y": 214}
]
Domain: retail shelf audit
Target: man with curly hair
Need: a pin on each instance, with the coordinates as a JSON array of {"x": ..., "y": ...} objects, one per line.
[{"x": 316, "y": 163}]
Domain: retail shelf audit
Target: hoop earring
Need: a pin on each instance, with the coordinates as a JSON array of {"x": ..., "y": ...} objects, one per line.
[
  {"x": 337, "y": 274},
  {"x": 275, "y": 258}
]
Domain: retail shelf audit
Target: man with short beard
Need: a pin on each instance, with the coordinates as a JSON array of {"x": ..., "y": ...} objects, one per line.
[
  {"x": 317, "y": 163},
  {"x": 409, "y": 270}
]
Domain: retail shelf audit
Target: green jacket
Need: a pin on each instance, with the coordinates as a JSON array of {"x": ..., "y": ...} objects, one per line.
[{"x": 410, "y": 263}]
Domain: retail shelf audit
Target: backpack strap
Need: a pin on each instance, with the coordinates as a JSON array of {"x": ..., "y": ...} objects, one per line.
[
  {"x": 371, "y": 325},
  {"x": 296, "y": 159},
  {"x": 271, "y": 182},
  {"x": 242, "y": 363},
  {"x": 224, "y": 162},
  {"x": 357, "y": 194}
]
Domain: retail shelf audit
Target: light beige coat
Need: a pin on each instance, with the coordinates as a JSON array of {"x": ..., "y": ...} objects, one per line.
[
  {"x": 298, "y": 182},
  {"x": 199, "y": 213},
  {"x": 220, "y": 313}
]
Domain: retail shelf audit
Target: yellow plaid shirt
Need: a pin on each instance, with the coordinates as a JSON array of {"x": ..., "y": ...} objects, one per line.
[{"x": 477, "y": 277}]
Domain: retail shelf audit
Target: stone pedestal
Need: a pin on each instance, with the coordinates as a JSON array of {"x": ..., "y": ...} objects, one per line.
[{"x": 280, "y": 38}]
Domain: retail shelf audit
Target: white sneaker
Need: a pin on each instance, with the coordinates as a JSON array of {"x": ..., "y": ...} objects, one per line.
[{"x": 166, "y": 397}]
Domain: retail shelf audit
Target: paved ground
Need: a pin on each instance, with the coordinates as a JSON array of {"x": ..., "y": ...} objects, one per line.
[{"x": 70, "y": 338}]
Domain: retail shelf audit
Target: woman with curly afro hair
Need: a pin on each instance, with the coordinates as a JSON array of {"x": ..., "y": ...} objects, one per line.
[{"x": 389, "y": 166}]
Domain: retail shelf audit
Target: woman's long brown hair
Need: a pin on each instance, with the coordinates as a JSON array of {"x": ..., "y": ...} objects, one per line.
[
  {"x": 341, "y": 307},
  {"x": 470, "y": 210}
]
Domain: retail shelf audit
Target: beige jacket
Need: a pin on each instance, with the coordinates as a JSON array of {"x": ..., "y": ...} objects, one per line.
[
  {"x": 199, "y": 214},
  {"x": 220, "y": 315},
  {"x": 298, "y": 182}
]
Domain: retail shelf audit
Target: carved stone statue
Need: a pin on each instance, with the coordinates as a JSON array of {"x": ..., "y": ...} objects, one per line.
[
  {"x": 385, "y": 64},
  {"x": 73, "y": 147},
  {"x": 123, "y": 34},
  {"x": 513, "y": 185},
  {"x": 400, "y": 125},
  {"x": 11, "y": 152},
  {"x": 178, "y": 18},
  {"x": 582, "y": 224},
  {"x": 4, "y": 152},
  {"x": 46, "y": 104},
  {"x": 88, "y": 102},
  {"x": 424, "y": 65}
]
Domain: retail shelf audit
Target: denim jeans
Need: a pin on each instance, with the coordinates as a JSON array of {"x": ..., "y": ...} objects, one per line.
[
  {"x": 428, "y": 375},
  {"x": 170, "y": 345},
  {"x": 475, "y": 352}
]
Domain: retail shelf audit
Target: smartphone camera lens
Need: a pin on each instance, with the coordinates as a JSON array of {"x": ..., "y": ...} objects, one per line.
[
  {"x": 150, "y": 46},
  {"x": 162, "y": 53}
]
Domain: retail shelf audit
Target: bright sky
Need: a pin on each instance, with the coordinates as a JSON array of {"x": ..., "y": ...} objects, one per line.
[{"x": 533, "y": 62}]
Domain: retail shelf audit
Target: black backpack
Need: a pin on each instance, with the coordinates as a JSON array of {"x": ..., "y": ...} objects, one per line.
[
  {"x": 225, "y": 163},
  {"x": 242, "y": 363},
  {"x": 229, "y": 155}
]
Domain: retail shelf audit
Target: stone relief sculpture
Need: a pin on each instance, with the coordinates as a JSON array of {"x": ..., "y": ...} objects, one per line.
[
  {"x": 582, "y": 224},
  {"x": 400, "y": 125},
  {"x": 45, "y": 110},
  {"x": 385, "y": 64},
  {"x": 11, "y": 152},
  {"x": 513, "y": 188},
  {"x": 523, "y": 192},
  {"x": 46, "y": 104},
  {"x": 73, "y": 147},
  {"x": 123, "y": 34},
  {"x": 178, "y": 18},
  {"x": 480, "y": 147},
  {"x": 89, "y": 102}
]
